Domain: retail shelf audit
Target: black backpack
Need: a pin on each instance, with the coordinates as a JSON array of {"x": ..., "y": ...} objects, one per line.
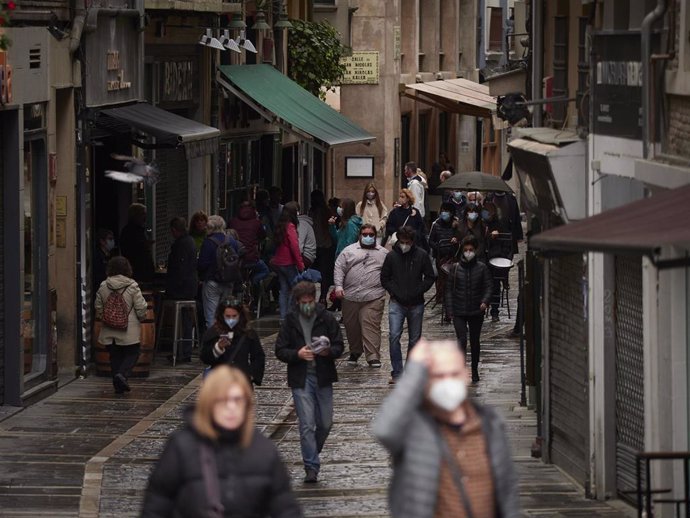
[{"x": 227, "y": 263}]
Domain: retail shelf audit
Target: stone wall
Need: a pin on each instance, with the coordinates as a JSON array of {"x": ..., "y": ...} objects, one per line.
[{"x": 678, "y": 139}]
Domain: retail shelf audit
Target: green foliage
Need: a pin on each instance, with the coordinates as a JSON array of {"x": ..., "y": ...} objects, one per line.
[
  {"x": 5, "y": 10},
  {"x": 314, "y": 52}
]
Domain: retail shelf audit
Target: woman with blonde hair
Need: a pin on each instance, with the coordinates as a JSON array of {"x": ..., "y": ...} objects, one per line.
[
  {"x": 372, "y": 210},
  {"x": 218, "y": 464},
  {"x": 405, "y": 215}
]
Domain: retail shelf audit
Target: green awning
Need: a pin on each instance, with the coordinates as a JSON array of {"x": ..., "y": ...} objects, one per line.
[{"x": 279, "y": 99}]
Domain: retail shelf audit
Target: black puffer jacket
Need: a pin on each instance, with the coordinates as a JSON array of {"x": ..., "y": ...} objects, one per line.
[
  {"x": 468, "y": 285},
  {"x": 291, "y": 339},
  {"x": 253, "y": 481},
  {"x": 439, "y": 238},
  {"x": 250, "y": 358},
  {"x": 407, "y": 277}
]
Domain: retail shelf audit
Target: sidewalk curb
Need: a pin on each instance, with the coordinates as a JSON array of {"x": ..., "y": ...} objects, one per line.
[{"x": 89, "y": 503}]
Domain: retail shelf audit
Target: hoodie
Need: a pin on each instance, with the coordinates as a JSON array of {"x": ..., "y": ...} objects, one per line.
[
  {"x": 250, "y": 232},
  {"x": 137, "y": 310},
  {"x": 307, "y": 239}
]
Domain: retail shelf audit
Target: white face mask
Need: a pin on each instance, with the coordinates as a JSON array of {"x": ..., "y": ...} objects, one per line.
[
  {"x": 405, "y": 248},
  {"x": 468, "y": 255},
  {"x": 448, "y": 394},
  {"x": 371, "y": 195}
]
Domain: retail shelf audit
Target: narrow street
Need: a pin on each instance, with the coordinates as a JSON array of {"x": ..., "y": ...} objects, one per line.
[{"x": 86, "y": 452}]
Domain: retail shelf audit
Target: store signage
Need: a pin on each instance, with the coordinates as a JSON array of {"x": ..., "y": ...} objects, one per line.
[
  {"x": 617, "y": 90},
  {"x": 113, "y": 66},
  {"x": 177, "y": 80},
  {"x": 362, "y": 68},
  {"x": 5, "y": 79},
  {"x": 397, "y": 42}
]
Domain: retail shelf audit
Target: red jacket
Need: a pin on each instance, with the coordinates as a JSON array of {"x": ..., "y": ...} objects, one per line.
[
  {"x": 250, "y": 231},
  {"x": 287, "y": 252}
]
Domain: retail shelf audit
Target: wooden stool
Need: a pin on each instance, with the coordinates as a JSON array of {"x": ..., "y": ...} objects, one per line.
[{"x": 178, "y": 306}]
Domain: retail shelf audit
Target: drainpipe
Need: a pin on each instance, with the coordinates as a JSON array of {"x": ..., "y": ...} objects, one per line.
[
  {"x": 537, "y": 50},
  {"x": 647, "y": 24}
]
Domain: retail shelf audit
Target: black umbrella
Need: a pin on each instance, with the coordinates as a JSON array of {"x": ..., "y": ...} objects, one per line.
[{"x": 474, "y": 181}]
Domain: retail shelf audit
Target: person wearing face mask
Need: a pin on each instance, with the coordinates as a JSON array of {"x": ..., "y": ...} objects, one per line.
[
  {"x": 404, "y": 214},
  {"x": 232, "y": 341},
  {"x": 372, "y": 210},
  {"x": 309, "y": 375},
  {"x": 104, "y": 251},
  {"x": 443, "y": 241},
  {"x": 347, "y": 231},
  {"x": 407, "y": 274},
  {"x": 473, "y": 225},
  {"x": 468, "y": 293},
  {"x": 218, "y": 464},
  {"x": 458, "y": 199},
  {"x": 358, "y": 283},
  {"x": 467, "y": 468}
]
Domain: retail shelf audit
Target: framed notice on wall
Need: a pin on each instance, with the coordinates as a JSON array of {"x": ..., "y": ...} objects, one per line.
[{"x": 359, "y": 167}]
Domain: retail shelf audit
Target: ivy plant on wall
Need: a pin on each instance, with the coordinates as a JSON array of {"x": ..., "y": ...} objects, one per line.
[
  {"x": 314, "y": 53},
  {"x": 5, "y": 10}
]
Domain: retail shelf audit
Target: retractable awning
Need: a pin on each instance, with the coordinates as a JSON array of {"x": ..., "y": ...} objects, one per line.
[
  {"x": 455, "y": 95},
  {"x": 641, "y": 228},
  {"x": 282, "y": 101},
  {"x": 169, "y": 129}
]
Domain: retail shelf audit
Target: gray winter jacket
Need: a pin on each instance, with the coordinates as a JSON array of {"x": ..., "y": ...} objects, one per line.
[
  {"x": 307, "y": 240},
  {"x": 412, "y": 437}
]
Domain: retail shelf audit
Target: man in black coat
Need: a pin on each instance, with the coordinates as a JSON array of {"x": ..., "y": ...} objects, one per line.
[
  {"x": 182, "y": 281},
  {"x": 311, "y": 372},
  {"x": 407, "y": 274}
]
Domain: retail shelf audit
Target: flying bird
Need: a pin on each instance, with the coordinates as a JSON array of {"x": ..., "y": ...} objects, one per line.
[{"x": 136, "y": 170}]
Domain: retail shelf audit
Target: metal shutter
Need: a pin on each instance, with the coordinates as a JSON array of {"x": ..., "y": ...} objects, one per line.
[
  {"x": 569, "y": 368},
  {"x": 2, "y": 274},
  {"x": 629, "y": 370},
  {"x": 171, "y": 196}
]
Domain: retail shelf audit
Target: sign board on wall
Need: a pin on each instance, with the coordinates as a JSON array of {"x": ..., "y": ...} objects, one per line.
[
  {"x": 362, "y": 68},
  {"x": 617, "y": 90}
]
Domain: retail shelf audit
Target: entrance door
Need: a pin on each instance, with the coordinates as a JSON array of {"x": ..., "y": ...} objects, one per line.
[{"x": 35, "y": 275}]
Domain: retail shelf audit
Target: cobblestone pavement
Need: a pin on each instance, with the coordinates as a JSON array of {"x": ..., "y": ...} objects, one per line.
[{"x": 86, "y": 452}]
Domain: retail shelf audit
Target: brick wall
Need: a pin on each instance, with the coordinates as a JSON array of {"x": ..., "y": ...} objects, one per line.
[
  {"x": 171, "y": 196},
  {"x": 678, "y": 140}
]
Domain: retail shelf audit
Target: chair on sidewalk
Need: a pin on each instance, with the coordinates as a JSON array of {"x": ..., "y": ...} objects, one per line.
[{"x": 177, "y": 306}]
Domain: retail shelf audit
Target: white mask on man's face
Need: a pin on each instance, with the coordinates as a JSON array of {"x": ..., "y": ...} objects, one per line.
[{"x": 448, "y": 394}]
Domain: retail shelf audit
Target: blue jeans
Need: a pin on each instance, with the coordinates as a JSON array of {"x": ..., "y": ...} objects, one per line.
[
  {"x": 212, "y": 293},
  {"x": 286, "y": 274},
  {"x": 397, "y": 314},
  {"x": 261, "y": 271},
  {"x": 314, "y": 407}
]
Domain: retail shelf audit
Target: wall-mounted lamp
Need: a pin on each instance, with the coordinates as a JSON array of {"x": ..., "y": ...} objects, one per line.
[
  {"x": 260, "y": 22},
  {"x": 282, "y": 22},
  {"x": 207, "y": 39},
  {"x": 228, "y": 42},
  {"x": 237, "y": 22}
]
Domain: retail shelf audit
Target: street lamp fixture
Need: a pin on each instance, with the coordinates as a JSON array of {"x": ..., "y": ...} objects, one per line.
[
  {"x": 260, "y": 22},
  {"x": 237, "y": 22},
  {"x": 207, "y": 39},
  {"x": 282, "y": 22}
]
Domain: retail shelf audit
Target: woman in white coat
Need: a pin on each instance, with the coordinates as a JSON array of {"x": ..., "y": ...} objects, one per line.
[{"x": 372, "y": 210}]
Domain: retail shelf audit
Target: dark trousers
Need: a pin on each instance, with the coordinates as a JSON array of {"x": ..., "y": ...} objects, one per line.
[
  {"x": 123, "y": 358},
  {"x": 474, "y": 323}
]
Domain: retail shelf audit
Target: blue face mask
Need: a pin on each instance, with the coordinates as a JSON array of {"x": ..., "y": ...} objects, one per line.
[
  {"x": 368, "y": 240},
  {"x": 445, "y": 216},
  {"x": 231, "y": 322},
  {"x": 339, "y": 211},
  {"x": 472, "y": 216},
  {"x": 485, "y": 215},
  {"x": 458, "y": 196}
]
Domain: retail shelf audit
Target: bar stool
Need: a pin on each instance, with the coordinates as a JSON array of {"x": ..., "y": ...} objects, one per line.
[{"x": 178, "y": 306}]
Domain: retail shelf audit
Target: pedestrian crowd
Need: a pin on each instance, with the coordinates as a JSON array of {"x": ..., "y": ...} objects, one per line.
[{"x": 353, "y": 255}]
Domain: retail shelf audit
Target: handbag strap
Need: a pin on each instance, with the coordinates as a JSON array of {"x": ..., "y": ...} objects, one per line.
[
  {"x": 456, "y": 472},
  {"x": 405, "y": 222},
  {"x": 210, "y": 474}
]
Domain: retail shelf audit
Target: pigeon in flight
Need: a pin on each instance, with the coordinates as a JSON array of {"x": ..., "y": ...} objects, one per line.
[{"x": 136, "y": 170}]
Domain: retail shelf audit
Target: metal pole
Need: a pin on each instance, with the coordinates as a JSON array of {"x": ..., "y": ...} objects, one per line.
[
  {"x": 537, "y": 44},
  {"x": 521, "y": 323}
]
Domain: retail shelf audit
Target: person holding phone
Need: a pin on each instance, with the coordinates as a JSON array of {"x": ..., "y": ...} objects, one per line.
[
  {"x": 309, "y": 375},
  {"x": 232, "y": 341}
]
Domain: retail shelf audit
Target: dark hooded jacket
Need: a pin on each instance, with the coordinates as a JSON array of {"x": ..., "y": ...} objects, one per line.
[
  {"x": 250, "y": 232},
  {"x": 407, "y": 277},
  {"x": 253, "y": 481},
  {"x": 245, "y": 353}
]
